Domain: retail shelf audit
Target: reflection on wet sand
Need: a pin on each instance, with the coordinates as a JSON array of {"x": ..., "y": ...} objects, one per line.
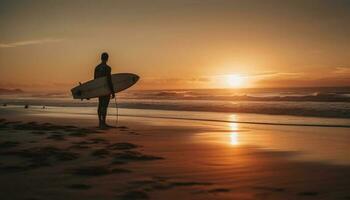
[{"x": 322, "y": 144}]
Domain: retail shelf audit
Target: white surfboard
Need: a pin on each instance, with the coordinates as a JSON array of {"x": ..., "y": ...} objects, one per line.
[{"x": 99, "y": 87}]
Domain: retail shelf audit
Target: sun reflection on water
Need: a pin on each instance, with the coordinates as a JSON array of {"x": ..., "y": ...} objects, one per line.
[{"x": 234, "y": 136}]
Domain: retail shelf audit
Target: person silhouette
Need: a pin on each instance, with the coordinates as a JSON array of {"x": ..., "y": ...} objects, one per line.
[{"x": 103, "y": 70}]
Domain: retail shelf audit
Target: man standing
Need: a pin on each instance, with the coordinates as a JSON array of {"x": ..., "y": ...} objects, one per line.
[{"x": 103, "y": 70}]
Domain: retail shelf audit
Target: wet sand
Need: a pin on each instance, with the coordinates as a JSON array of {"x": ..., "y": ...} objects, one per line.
[{"x": 67, "y": 157}]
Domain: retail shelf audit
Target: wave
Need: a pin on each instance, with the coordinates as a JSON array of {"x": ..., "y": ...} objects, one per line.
[{"x": 285, "y": 96}]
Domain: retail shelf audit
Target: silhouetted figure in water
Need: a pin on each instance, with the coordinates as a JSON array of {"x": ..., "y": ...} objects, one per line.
[
  {"x": 103, "y": 70},
  {"x": 26, "y": 106}
]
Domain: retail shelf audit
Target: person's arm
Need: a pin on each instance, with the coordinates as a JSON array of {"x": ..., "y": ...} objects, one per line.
[{"x": 109, "y": 81}]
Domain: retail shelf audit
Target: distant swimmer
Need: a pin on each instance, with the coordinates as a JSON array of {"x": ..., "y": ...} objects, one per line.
[{"x": 103, "y": 70}]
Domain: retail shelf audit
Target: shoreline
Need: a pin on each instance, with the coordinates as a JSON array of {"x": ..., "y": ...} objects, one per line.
[{"x": 172, "y": 114}]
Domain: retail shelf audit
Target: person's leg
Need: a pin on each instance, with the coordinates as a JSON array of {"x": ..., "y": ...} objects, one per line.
[
  {"x": 99, "y": 111},
  {"x": 104, "y": 109}
]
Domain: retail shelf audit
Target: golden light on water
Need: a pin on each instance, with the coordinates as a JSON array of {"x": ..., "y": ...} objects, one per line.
[
  {"x": 234, "y": 136},
  {"x": 235, "y": 80}
]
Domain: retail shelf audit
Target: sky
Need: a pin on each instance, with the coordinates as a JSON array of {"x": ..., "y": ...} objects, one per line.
[{"x": 52, "y": 45}]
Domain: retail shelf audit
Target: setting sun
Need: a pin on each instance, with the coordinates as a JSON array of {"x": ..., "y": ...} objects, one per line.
[{"x": 235, "y": 80}]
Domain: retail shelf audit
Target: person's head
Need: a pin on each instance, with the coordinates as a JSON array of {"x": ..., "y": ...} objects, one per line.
[{"x": 104, "y": 57}]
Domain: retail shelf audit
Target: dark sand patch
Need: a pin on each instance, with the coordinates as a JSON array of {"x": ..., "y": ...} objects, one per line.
[
  {"x": 134, "y": 195},
  {"x": 38, "y": 132},
  {"x": 42, "y": 156},
  {"x": 219, "y": 190},
  {"x": 97, "y": 171},
  {"x": 270, "y": 189},
  {"x": 4, "y": 126},
  {"x": 189, "y": 183},
  {"x": 79, "y": 186},
  {"x": 11, "y": 168},
  {"x": 160, "y": 186},
  {"x": 122, "y": 146},
  {"x": 12, "y": 123},
  {"x": 69, "y": 127},
  {"x": 134, "y": 156},
  {"x": 56, "y": 136},
  {"x": 213, "y": 191},
  {"x": 133, "y": 133},
  {"x": 262, "y": 195},
  {"x": 78, "y": 134},
  {"x": 92, "y": 171},
  {"x": 32, "y": 198},
  {"x": 160, "y": 178},
  {"x": 8, "y": 144},
  {"x": 120, "y": 170},
  {"x": 84, "y": 142},
  {"x": 308, "y": 193},
  {"x": 164, "y": 184},
  {"x": 43, "y": 127},
  {"x": 118, "y": 162},
  {"x": 122, "y": 127},
  {"x": 100, "y": 153},
  {"x": 91, "y": 141},
  {"x": 78, "y": 146},
  {"x": 98, "y": 141},
  {"x": 48, "y": 152}
]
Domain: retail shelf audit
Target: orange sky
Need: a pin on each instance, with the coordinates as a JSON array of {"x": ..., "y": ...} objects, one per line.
[{"x": 52, "y": 45}]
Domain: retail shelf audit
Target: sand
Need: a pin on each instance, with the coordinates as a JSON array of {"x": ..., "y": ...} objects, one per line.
[{"x": 67, "y": 157}]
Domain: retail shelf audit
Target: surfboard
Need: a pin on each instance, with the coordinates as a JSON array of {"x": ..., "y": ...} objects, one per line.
[{"x": 99, "y": 87}]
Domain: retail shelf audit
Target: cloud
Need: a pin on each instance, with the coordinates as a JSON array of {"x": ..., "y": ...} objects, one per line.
[
  {"x": 342, "y": 70},
  {"x": 29, "y": 42}
]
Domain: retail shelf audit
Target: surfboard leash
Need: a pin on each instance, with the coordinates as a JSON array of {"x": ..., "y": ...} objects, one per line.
[{"x": 116, "y": 110}]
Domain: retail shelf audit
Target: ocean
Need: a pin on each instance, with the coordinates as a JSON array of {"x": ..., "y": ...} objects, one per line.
[{"x": 298, "y": 106}]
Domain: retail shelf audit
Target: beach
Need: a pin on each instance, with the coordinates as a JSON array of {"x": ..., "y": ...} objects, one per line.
[{"x": 47, "y": 154}]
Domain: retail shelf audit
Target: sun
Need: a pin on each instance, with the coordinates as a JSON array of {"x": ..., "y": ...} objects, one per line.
[{"x": 235, "y": 80}]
